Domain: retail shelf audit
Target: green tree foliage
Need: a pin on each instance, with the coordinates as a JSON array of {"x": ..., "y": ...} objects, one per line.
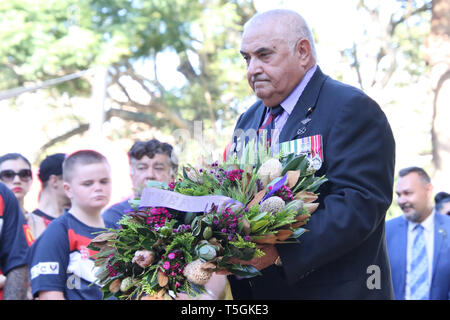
[{"x": 44, "y": 39}]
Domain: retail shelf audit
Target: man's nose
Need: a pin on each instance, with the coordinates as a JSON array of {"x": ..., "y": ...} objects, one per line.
[
  {"x": 150, "y": 174},
  {"x": 254, "y": 67},
  {"x": 401, "y": 200}
]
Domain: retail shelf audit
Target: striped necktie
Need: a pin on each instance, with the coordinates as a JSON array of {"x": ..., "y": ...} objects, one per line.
[
  {"x": 418, "y": 280},
  {"x": 269, "y": 124}
]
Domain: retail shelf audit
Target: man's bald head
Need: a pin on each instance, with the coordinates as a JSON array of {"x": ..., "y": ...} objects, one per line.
[{"x": 285, "y": 23}]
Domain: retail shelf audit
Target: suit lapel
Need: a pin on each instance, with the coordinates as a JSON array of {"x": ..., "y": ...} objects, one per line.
[
  {"x": 307, "y": 100},
  {"x": 259, "y": 117},
  {"x": 439, "y": 234},
  {"x": 402, "y": 245}
]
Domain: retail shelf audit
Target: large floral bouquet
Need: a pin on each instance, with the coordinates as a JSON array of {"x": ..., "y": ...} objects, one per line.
[{"x": 160, "y": 251}]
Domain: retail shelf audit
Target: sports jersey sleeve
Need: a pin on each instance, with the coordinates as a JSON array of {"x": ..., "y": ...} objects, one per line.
[
  {"x": 13, "y": 244},
  {"x": 49, "y": 259}
]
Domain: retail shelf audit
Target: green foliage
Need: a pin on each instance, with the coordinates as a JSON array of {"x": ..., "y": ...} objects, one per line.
[{"x": 44, "y": 39}]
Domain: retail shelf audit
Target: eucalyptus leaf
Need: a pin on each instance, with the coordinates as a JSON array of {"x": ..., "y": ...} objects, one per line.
[
  {"x": 297, "y": 233},
  {"x": 245, "y": 271}
]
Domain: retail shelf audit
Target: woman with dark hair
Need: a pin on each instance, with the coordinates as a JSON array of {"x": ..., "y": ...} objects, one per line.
[{"x": 16, "y": 174}]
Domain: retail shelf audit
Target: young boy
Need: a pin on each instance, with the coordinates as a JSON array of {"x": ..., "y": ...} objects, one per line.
[{"x": 61, "y": 266}]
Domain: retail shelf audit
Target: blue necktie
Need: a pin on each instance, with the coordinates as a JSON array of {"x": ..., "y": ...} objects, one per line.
[{"x": 418, "y": 279}]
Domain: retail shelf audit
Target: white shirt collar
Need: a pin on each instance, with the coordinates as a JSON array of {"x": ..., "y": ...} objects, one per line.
[{"x": 427, "y": 224}]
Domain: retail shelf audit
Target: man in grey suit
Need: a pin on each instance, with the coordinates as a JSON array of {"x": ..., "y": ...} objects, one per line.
[{"x": 404, "y": 233}]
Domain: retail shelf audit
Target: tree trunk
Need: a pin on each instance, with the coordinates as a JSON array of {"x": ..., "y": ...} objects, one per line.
[{"x": 438, "y": 44}]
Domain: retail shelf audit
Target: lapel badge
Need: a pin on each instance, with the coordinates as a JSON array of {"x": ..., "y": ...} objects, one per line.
[
  {"x": 442, "y": 231},
  {"x": 302, "y": 130},
  {"x": 305, "y": 121}
]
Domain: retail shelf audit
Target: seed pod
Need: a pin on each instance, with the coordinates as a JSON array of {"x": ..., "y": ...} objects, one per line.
[
  {"x": 207, "y": 233},
  {"x": 162, "y": 279},
  {"x": 115, "y": 285},
  {"x": 126, "y": 284}
]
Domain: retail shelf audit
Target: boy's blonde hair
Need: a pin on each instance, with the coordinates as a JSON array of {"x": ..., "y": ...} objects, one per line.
[{"x": 82, "y": 157}]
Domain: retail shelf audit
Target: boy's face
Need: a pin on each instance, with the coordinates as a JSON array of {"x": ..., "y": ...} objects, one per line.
[{"x": 90, "y": 186}]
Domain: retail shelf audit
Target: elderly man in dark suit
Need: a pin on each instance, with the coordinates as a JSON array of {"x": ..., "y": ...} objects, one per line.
[{"x": 343, "y": 256}]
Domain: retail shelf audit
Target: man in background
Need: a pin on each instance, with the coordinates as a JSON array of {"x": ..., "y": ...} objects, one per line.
[
  {"x": 149, "y": 160},
  {"x": 418, "y": 241},
  {"x": 53, "y": 201},
  {"x": 442, "y": 201}
]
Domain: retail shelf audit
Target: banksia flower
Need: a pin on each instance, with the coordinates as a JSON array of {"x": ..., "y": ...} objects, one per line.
[
  {"x": 197, "y": 273},
  {"x": 272, "y": 205},
  {"x": 270, "y": 170},
  {"x": 115, "y": 285},
  {"x": 144, "y": 258},
  {"x": 126, "y": 284}
]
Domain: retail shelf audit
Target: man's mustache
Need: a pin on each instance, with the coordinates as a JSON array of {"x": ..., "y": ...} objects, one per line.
[
  {"x": 406, "y": 206},
  {"x": 259, "y": 78}
]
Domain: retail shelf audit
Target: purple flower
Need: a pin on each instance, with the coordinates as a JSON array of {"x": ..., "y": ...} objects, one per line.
[
  {"x": 166, "y": 265},
  {"x": 171, "y": 256}
]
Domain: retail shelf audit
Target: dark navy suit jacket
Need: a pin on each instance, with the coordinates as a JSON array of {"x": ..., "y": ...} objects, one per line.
[
  {"x": 396, "y": 237},
  {"x": 343, "y": 256}
]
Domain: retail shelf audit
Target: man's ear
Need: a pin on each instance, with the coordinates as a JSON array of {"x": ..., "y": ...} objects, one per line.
[
  {"x": 429, "y": 188},
  {"x": 67, "y": 189},
  {"x": 53, "y": 181},
  {"x": 303, "y": 49}
]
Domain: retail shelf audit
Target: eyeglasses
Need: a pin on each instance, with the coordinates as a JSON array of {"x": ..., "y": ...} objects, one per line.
[{"x": 9, "y": 175}]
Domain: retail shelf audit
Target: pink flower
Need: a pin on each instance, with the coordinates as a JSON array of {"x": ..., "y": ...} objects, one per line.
[{"x": 166, "y": 265}]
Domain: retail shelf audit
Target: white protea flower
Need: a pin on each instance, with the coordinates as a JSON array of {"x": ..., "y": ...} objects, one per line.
[
  {"x": 196, "y": 272},
  {"x": 272, "y": 205},
  {"x": 270, "y": 170}
]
